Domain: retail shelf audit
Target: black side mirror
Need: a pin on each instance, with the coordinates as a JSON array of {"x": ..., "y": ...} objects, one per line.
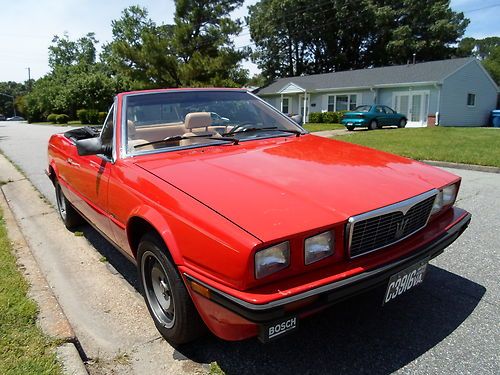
[
  {"x": 92, "y": 146},
  {"x": 297, "y": 119}
]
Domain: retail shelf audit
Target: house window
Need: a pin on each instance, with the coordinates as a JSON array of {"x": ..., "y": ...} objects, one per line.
[
  {"x": 471, "y": 100},
  {"x": 342, "y": 102},
  {"x": 285, "y": 105}
]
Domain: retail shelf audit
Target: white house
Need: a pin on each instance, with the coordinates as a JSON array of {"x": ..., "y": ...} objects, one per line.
[{"x": 456, "y": 92}]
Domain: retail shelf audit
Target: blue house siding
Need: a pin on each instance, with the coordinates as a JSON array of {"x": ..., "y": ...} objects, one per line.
[{"x": 454, "y": 109}]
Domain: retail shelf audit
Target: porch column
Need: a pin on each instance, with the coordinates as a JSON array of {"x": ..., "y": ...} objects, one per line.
[
  {"x": 281, "y": 103},
  {"x": 305, "y": 107}
]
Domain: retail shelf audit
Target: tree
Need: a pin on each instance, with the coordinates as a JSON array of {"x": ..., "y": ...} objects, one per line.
[
  {"x": 9, "y": 92},
  {"x": 141, "y": 52},
  {"x": 295, "y": 37},
  {"x": 492, "y": 64},
  {"x": 203, "y": 34},
  {"x": 479, "y": 48},
  {"x": 66, "y": 52}
]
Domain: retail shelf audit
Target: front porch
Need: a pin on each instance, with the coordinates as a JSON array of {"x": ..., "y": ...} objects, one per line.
[{"x": 295, "y": 100}]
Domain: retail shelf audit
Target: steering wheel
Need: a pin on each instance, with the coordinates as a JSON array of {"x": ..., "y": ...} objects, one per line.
[{"x": 242, "y": 127}]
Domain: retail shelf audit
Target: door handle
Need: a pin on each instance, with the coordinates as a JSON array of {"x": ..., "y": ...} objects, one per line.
[{"x": 71, "y": 162}]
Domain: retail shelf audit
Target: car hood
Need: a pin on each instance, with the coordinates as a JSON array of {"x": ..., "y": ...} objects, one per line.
[{"x": 278, "y": 187}]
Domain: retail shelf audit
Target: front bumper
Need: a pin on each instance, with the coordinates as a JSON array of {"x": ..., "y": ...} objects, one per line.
[{"x": 233, "y": 319}]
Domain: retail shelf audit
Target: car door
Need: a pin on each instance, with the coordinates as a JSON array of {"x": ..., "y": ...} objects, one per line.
[
  {"x": 392, "y": 117},
  {"x": 380, "y": 115},
  {"x": 89, "y": 178}
]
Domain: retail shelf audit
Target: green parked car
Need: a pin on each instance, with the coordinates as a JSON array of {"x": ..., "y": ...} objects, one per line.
[{"x": 373, "y": 117}]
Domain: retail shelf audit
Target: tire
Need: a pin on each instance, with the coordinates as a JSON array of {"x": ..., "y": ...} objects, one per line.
[
  {"x": 372, "y": 125},
  {"x": 402, "y": 123},
  {"x": 165, "y": 294},
  {"x": 350, "y": 128},
  {"x": 70, "y": 217}
]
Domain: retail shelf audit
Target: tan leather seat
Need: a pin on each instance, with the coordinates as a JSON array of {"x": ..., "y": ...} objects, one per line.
[{"x": 198, "y": 122}]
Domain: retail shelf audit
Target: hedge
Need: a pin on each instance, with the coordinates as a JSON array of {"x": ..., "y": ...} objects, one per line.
[
  {"x": 52, "y": 118},
  {"x": 326, "y": 117},
  {"x": 62, "y": 119}
]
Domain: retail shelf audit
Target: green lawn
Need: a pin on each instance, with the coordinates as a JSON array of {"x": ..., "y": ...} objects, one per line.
[
  {"x": 479, "y": 146},
  {"x": 23, "y": 347},
  {"x": 70, "y": 123},
  {"x": 312, "y": 127}
]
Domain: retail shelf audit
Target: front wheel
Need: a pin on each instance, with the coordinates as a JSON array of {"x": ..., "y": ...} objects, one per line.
[
  {"x": 373, "y": 125},
  {"x": 70, "y": 217},
  {"x": 402, "y": 123},
  {"x": 167, "y": 299}
]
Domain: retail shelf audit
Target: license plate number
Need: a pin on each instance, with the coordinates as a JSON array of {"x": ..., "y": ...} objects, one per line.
[
  {"x": 278, "y": 328},
  {"x": 350, "y": 123},
  {"x": 405, "y": 280}
]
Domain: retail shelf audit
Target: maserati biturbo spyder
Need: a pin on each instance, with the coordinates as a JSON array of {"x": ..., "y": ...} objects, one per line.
[{"x": 241, "y": 221}]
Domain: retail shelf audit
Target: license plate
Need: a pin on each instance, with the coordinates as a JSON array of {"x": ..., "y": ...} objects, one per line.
[
  {"x": 405, "y": 280},
  {"x": 278, "y": 328},
  {"x": 350, "y": 123}
]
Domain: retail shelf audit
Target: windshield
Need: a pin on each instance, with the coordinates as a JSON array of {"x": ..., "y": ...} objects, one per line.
[
  {"x": 167, "y": 120},
  {"x": 363, "y": 108}
]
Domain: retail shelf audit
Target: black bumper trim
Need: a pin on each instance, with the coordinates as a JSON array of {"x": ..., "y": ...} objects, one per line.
[{"x": 336, "y": 291}]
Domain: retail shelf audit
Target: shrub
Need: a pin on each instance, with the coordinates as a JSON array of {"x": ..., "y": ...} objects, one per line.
[
  {"x": 62, "y": 119},
  {"x": 102, "y": 117},
  {"x": 316, "y": 117},
  {"x": 330, "y": 117},
  {"x": 52, "y": 118},
  {"x": 82, "y": 115},
  {"x": 92, "y": 116}
]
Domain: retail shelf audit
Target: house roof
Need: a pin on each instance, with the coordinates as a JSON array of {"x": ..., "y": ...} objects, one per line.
[{"x": 432, "y": 71}]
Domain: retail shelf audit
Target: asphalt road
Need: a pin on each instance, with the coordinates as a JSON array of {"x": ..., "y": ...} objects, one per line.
[{"x": 449, "y": 324}]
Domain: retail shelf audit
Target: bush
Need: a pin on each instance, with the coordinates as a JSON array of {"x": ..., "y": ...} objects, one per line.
[
  {"x": 330, "y": 117},
  {"x": 316, "y": 117},
  {"x": 82, "y": 115},
  {"x": 52, "y": 118},
  {"x": 92, "y": 116},
  {"x": 62, "y": 119},
  {"x": 102, "y": 117}
]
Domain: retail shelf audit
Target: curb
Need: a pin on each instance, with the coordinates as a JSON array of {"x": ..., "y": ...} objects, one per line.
[
  {"x": 51, "y": 317},
  {"x": 470, "y": 167}
]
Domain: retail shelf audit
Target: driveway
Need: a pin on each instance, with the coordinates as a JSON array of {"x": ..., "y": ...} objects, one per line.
[{"x": 450, "y": 324}]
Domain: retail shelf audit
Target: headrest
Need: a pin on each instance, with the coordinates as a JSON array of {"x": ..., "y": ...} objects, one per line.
[{"x": 196, "y": 120}]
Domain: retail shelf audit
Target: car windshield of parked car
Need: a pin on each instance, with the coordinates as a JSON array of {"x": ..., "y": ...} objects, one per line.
[
  {"x": 192, "y": 118},
  {"x": 362, "y": 108}
]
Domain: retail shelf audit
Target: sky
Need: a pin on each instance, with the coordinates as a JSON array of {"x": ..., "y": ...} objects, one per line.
[{"x": 27, "y": 27}]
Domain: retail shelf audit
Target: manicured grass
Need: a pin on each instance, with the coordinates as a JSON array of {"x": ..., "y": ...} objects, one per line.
[
  {"x": 23, "y": 347},
  {"x": 480, "y": 146},
  {"x": 312, "y": 127}
]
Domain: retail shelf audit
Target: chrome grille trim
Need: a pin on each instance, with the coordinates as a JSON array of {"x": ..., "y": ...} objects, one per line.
[{"x": 400, "y": 207}]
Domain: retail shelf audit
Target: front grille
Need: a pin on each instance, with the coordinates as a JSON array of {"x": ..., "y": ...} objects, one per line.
[{"x": 389, "y": 225}]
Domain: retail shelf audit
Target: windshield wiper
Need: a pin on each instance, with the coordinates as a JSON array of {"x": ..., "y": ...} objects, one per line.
[
  {"x": 272, "y": 128},
  {"x": 181, "y": 137}
]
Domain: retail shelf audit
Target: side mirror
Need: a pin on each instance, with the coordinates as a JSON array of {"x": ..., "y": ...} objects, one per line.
[
  {"x": 297, "y": 119},
  {"x": 92, "y": 146}
]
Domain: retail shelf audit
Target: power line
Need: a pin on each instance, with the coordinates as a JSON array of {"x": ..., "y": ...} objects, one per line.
[{"x": 482, "y": 8}]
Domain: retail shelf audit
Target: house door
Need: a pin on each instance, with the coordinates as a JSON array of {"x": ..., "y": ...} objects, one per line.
[
  {"x": 414, "y": 106},
  {"x": 304, "y": 110}
]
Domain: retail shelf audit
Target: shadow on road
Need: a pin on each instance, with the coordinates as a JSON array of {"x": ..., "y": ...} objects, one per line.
[
  {"x": 357, "y": 336},
  {"x": 353, "y": 337}
]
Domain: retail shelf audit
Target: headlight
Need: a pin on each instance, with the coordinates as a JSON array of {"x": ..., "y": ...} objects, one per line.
[
  {"x": 449, "y": 194},
  {"x": 272, "y": 259},
  {"x": 318, "y": 247},
  {"x": 438, "y": 203},
  {"x": 445, "y": 197}
]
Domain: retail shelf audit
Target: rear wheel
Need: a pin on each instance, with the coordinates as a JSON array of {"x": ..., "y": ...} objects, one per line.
[
  {"x": 402, "y": 123},
  {"x": 167, "y": 299},
  {"x": 70, "y": 217},
  {"x": 373, "y": 125},
  {"x": 350, "y": 128}
]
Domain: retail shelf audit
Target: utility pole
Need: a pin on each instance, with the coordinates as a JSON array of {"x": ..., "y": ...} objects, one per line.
[{"x": 29, "y": 78}]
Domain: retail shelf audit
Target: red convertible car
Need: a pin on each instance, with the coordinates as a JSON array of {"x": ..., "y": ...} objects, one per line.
[{"x": 241, "y": 221}]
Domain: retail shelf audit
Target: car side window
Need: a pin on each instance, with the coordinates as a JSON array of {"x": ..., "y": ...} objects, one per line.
[
  {"x": 379, "y": 109},
  {"x": 389, "y": 110},
  {"x": 107, "y": 129}
]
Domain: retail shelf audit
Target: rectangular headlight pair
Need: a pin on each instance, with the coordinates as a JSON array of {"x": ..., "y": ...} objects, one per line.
[
  {"x": 445, "y": 197},
  {"x": 277, "y": 257}
]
